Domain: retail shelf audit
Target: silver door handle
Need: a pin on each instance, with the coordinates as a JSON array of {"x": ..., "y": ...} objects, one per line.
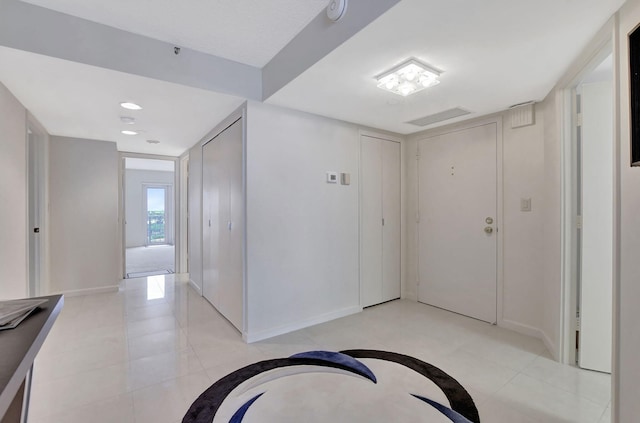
[{"x": 488, "y": 230}]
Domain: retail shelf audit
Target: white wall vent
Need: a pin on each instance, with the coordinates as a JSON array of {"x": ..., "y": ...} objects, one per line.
[
  {"x": 522, "y": 115},
  {"x": 439, "y": 117}
]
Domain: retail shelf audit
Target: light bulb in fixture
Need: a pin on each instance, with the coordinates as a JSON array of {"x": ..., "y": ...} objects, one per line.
[
  {"x": 127, "y": 132},
  {"x": 406, "y": 89},
  {"x": 427, "y": 81},
  {"x": 410, "y": 75},
  {"x": 391, "y": 83},
  {"x": 130, "y": 106}
]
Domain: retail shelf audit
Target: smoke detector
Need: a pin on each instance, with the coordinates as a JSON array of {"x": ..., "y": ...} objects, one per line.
[{"x": 336, "y": 9}]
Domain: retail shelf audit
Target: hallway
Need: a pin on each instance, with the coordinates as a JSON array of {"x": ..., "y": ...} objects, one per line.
[{"x": 145, "y": 353}]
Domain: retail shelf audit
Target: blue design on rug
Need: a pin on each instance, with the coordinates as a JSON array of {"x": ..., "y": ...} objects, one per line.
[{"x": 205, "y": 407}]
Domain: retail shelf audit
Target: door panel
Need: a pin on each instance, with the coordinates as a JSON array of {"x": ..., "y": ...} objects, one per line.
[
  {"x": 596, "y": 288},
  {"x": 371, "y": 221},
  {"x": 457, "y": 193},
  {"x": 232, "y": 283},
  {"x": 211, "y": 176},
  {"x": 391, "y": 192}
]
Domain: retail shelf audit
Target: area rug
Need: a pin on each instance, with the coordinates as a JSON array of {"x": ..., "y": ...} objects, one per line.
[{"x": 312, "y": 387}]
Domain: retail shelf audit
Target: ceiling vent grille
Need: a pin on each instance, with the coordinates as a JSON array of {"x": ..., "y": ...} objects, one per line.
[{"x": 439, "y": 117}]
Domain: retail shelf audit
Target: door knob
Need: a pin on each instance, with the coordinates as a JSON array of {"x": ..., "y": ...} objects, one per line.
[
  {"x": 488, "y": 229},
  {"x": 489, "y": 220}
]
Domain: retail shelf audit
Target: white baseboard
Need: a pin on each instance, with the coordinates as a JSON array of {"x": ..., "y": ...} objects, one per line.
[
  {"x": 280, "y": 330},
  {"x": 195, "y": 287},
  {"x": 551, "y": 346},
  {"x": 521, "y": 328},
  {"x": 531, "y": 331},
  {"x": 90, "y": 291}
]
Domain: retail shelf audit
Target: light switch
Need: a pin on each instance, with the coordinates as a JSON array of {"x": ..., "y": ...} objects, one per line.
[
  {"x": 525, "y": 204},
  {"x": 332, "y": 177},
  {"x": 345, "y": 178}
]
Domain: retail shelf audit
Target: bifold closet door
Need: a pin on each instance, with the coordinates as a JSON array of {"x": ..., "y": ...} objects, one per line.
[
  {"x": 380, "y": 221},
  {"x": 391, "y": 192},
  {"x": 223, "y": 223},
  {"x": 211, "y": 179},
  {"x": 231, "y": 294},
  {"x": 371, "y": 221}
]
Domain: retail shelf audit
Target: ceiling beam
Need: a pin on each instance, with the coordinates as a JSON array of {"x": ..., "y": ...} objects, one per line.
[
  {"x": 318, "y": 39},
  {"x": 43, "y": 31}
]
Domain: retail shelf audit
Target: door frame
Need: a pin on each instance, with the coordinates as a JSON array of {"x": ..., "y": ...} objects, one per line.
[
  {"x": 403, "y": 199},
  {"x": 122, "y": 210},
  {"x": 41, "y": 177},
  {"x": 500, "y": 320},
  {"x": 184, "y": 213}
]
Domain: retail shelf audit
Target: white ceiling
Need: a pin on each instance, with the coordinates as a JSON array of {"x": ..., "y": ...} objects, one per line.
[
  {"x": 81, "y": 101},
  {"x": 493, "y": 54},
  {"x": 246, "y": 31}
]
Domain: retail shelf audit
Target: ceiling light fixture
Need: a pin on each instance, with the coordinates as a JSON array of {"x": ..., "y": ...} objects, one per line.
[
  {"x": 127, "y": 120},
  {"x": 130, "y": 106},
  {"x": 127, "y": 132},
  {"x": 408, "y": 78}
]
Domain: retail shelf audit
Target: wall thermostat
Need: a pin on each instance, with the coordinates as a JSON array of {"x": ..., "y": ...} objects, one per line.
[
  {"x": 336, "y": 9},
  {"x": 332, "y": 177}
]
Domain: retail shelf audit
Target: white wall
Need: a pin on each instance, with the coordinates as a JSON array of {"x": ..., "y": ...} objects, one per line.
[
  {"x": 523, "y": 177},
  {"x": 84, "y": 215},
  {"x": 551, "y": 280},
  {"x": 195, "y": 216},
  {"x": 135, "y": 213},
  {"x": 13, "y": 196},
  {"x": 523, "y": 166},
  {"x": 302, "y": 257},
  {"x": 627, "y": 365}
]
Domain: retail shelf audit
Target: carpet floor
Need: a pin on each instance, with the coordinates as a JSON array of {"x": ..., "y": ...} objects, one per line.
[{"x": 148, "y": 261}]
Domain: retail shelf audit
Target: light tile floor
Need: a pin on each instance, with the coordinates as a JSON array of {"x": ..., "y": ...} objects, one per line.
[{"x": 145, "y": 353}]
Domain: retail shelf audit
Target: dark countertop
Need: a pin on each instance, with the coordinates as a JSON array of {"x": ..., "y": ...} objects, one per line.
[{"x": 19, "y": 347}]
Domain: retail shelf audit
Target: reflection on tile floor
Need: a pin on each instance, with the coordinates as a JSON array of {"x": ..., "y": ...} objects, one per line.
[{"x": 145, "y": 353}]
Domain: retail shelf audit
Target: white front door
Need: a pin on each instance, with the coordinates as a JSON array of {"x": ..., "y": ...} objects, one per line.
[{"x": 458, "y": 221}]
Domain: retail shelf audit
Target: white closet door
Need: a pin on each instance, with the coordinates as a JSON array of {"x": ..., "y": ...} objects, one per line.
[
  {"x": 379, "y": 221},
  {"x": 223, "y": 223},
  {"x": 370, "y": 221},
  {"x": 232, "y": 283},
  {"x": 391, "y": 217},
  {"x": 211, "y": 180}
]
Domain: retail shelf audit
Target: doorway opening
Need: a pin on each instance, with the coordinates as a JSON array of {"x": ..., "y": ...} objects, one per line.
[
  {"x": 589, "y": 216},
  {"x": 149, "y": 216}
]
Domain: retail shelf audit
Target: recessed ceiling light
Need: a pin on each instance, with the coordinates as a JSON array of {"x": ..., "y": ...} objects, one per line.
[
  {"x": 153, "y": 141},
  {"x": 130, "y": 106},
  {"x": 408, "y": 78},
  {"x": 127, "y": 132},
  {"x": 127, "y": 120}
]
